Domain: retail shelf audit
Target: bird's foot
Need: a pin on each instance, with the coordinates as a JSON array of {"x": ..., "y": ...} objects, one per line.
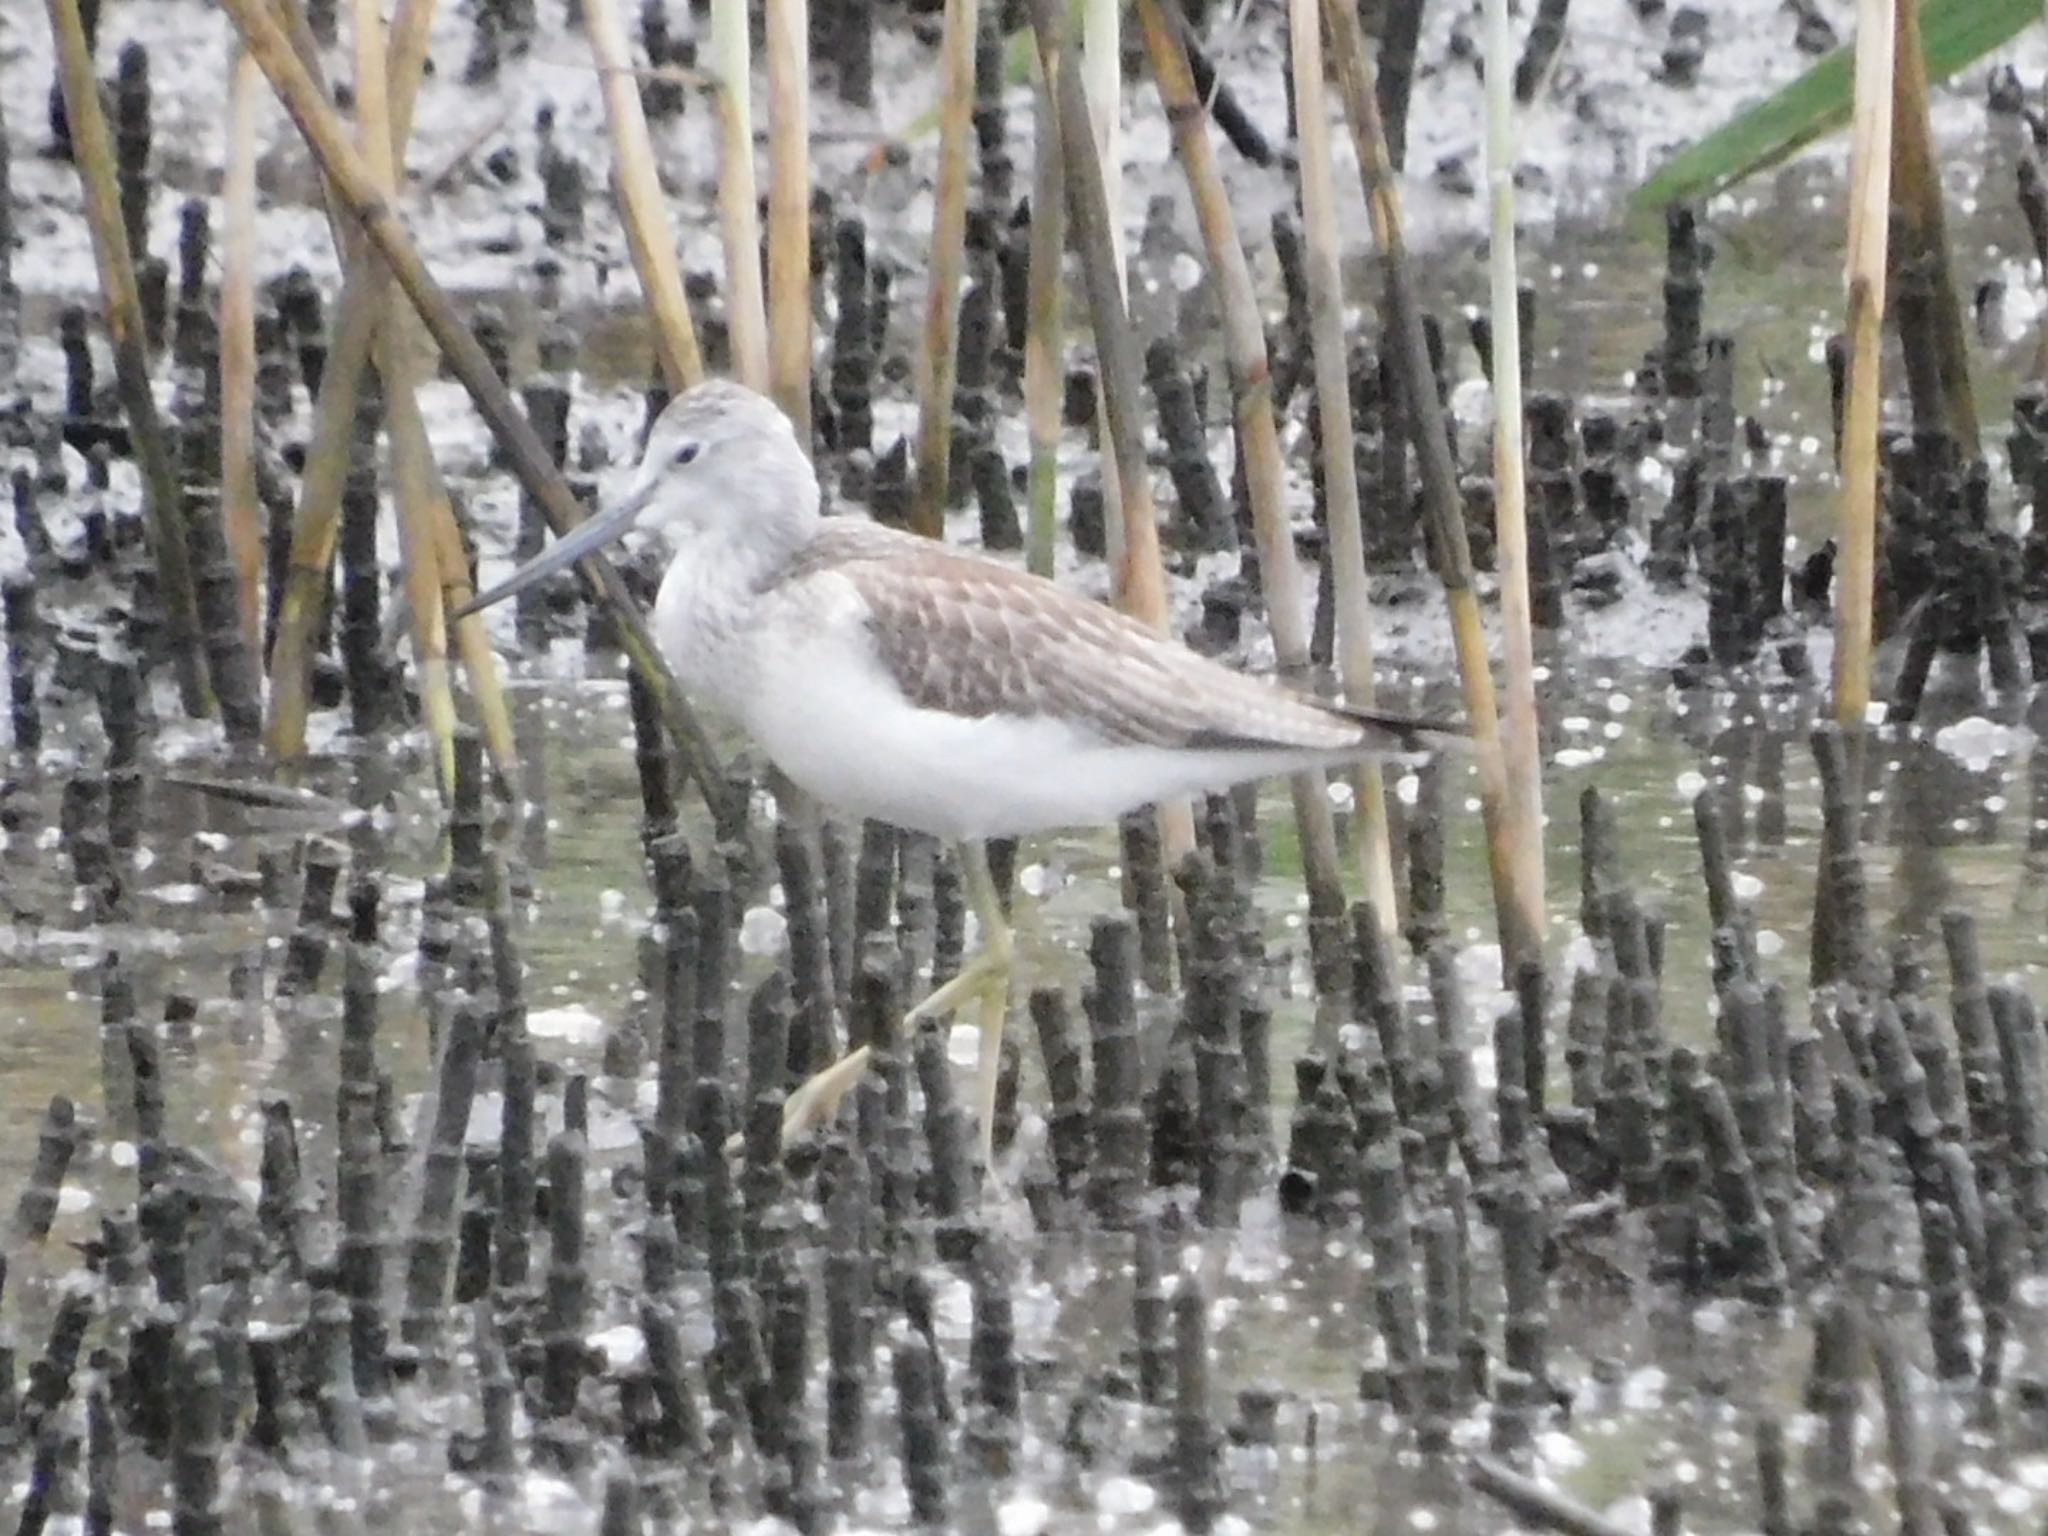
[
  {"x": 983, "y": 980},
  {"x": 814, "y": 1101},
  {"x": 817, "y": 1097}
]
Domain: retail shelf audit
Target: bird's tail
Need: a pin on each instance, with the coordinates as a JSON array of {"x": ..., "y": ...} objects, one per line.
[{"x": 1399, "y": 735}]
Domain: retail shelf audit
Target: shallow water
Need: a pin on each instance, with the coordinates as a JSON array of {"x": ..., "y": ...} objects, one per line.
[{"x": 1665, "y": 1391}]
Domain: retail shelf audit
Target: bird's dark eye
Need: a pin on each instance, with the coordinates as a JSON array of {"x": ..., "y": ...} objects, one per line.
[{"x": 686, "y": 453}]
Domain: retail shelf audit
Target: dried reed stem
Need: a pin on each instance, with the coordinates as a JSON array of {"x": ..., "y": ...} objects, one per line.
[
  {"x": 787, "y": 42},
  {"x": 1923, "y": 224},
  {"x": 1441, "y": 503},
  {"x": 373, "y": 103},
  {"x": 1251, "y": 388},
  {"x": 1102, "y": 79},
  {"x": 1340, "y": 469},
  {"x": 356, "y": 190},
  {"x": 739, "y": 220},
  {"x": 1044, "y": 378},
  {"x": 1138, "y": 579},
  {"x": 92, "y": 151},
  {"x": 1244, "y": 336},
  {"x": 938, "y": 361},
  {"x": 1102, "y": 75},
  {"x": 360, "y": 318},
  {"x": 408, "y": 39},
  {"x": 1870, "y": 168},
  {"x": 417, "y": 475},
  {"x": 316, "y": 526},
  {"x": 421, "y": 503},
  {"x": 1520, "y": 741},
  {"x": 642, "y": 209},
  {"x": 241, "y": 516},
  {"x": 411, "y": 460},
  {"x": 419, "y": 479}
]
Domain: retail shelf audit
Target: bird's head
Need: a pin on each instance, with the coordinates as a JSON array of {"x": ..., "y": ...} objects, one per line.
[{"x": 720, "y": 458}]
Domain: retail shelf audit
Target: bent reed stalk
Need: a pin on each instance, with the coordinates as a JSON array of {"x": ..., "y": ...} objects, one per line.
[
  {"x": 420, "y": 565},
  {"x": 1370, "y": 836},
  {"x": 1441, "y": 503},
  {"x": 1251, "y": 384},
  {"x": 643, "y": 211},
  {"x": 1138, "y": 578},
  {"x": 316, "y": 524},
  {"x": 353, "y": 186},
  {"x": 92, "y": 152},
  {"x": 398, "y": 351}
]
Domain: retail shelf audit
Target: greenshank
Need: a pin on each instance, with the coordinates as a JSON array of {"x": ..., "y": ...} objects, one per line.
[{"x": 895, "y": 678}]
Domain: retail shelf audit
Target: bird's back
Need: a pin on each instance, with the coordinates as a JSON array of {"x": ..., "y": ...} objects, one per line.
[{"x": 965, "y": 635}]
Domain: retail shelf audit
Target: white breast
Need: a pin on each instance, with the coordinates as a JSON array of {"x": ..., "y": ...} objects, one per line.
[
  {"x": 798, "y": 672},
  {"x": 706, "y": 629},
  {"x": 830, "y": 716}
]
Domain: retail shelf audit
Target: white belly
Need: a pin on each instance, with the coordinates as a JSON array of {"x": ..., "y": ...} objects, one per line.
[
  {"x": 804, "y": 682},
  {"x": 838, "y": 727}
]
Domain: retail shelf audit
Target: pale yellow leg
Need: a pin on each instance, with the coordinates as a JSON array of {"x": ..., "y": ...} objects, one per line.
[
  {"x": 816, "y": 1099},
  {"x": 985, "y": 979}
]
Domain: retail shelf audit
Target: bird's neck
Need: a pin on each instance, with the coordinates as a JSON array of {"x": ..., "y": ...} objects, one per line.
[{"x": 760, "y": 534}]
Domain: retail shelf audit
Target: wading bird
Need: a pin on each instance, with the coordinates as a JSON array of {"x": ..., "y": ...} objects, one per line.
[{"x": 892, "y": 677}]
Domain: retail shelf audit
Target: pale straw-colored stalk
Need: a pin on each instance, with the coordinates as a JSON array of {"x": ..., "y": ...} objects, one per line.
[
  {"x": 410, "y": 446},
  {"x": 1102, "y": 76},
  {"x": 411, "y": 450},
  {"x": 643, "y": 211},
  {"x": 241, "y": 515},
  {"x": 939, "y": 358},
  {"x": 1870, "y": 167},
  {"x": 1340, "y": 469},
  {"x": 412, "y": 462},
  {"x": 1044, "y": 378},
  {"x": 92, "y": 152},
  {"x": 1138, "y": 579},
  {"x": 316, "y": 525},
  {"x": 427, "y": 512},
  {"x": 422, "y": 506},
  {"x": 372, "y": 96},
  {"x": 361, "y": 320},
  {"x": 1102, "y": 80},
  {"x": 1251, "y": 388},
  {"x": 373, "y": 102},
  {"x": 355, "y": 193},
  {"x": 787, "y": 42},
  {"x": 1520, "y": 742},
  {"x": 739, "y": 219},
  {"x": 1441, "y": 503},
  {"x": 1923, "y": 224}
]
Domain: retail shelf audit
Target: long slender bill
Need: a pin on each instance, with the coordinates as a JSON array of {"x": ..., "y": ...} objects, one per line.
[{"x": 586, "y": 538}]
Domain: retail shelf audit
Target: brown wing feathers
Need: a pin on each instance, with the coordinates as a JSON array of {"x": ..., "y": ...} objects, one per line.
[{"x": 973, "y": 638}]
